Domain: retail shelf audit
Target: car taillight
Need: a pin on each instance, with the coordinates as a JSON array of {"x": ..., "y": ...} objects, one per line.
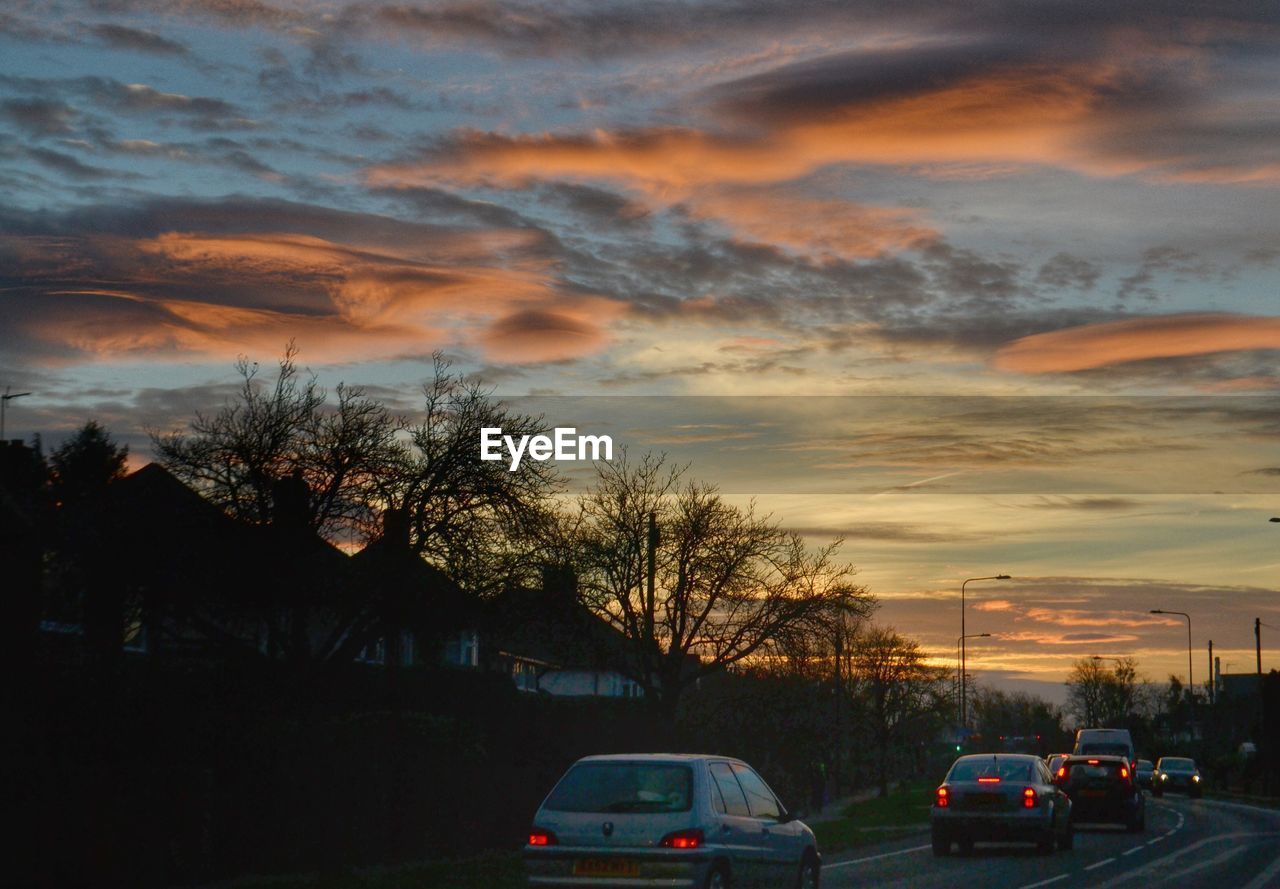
[
  {"x": 540, "y": 837},
  {"x": 1124, "y": 773},
  {"x": 944, "y": 798},
  {"x": 1029, "y": 798},
  {"x": 1062, "y": 772},
  {"x": 683, "y": 839}
]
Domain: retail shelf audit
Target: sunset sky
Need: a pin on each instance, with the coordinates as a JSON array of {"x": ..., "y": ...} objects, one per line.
[{"x": 1008, "y": 273}]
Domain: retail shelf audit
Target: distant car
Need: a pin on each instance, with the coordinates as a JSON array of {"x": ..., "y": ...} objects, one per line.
[
  {"x": 1179, "y": 774},
  {"x": 1103, "y": 789},
  {"x": 994, "y": 797},
  {"x": 1053, "y": 760},
  {"x": 1105, "y": 742},
  {"x": 670, "y": 820},
  {"x": 1144, "y": 770}
]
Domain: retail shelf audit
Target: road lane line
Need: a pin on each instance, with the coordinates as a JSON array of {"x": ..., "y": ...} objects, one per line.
[
  {"x": 1166, "y": 867},
  {"x": 1045, "y": 882},
  {"x": 1264, "y": 879},
  {"x": 875, "y": 857},
  {"x": 1133, "y": 851},
  {"x": 1156, "y": 840},
  {"x": 1101, "y": 863}
]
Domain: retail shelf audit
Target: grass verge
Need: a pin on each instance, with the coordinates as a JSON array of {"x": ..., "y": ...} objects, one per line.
[{"x": 903, "y": 812}]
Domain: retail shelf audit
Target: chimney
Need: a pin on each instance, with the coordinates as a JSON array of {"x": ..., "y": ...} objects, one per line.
[
  {"x": 291, "y": 503},
  {"x": 395, "y": 528}
]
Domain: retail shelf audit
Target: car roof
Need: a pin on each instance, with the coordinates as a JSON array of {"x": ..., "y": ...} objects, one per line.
[
  {"x": 656, "y": 757},
  {"x": 1014, "y": 757}
]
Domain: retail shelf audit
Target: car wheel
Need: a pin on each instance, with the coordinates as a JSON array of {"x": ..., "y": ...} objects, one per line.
[
  {"x": 718, "y": 878},
  {"x": 808, "y": 878},
  {"x": 1067, "y": 841},
  {"x": 941, "y": 843}
]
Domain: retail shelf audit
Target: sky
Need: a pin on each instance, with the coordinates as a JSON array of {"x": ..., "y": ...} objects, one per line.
[{"x": 980, "y": 288}]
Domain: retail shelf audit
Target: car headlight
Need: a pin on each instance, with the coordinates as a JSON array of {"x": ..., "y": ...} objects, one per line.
[
  {"x": 1195, "y": 778},
  {"x": 1164, "y": 777}
]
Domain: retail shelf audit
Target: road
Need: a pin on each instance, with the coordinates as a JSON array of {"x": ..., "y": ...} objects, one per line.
[{"x": 1190, "y": 844}]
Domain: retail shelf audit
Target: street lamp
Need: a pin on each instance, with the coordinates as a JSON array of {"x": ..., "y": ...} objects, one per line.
[
  {"x": 4, "y": 403},
  {"x": 960, "y": 687},
  {"x": 1190, "y": 681},
  {"x": 964, "y": 711}
]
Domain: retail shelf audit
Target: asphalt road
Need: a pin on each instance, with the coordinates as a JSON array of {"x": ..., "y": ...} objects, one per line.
[{"x": 1190, "y": 844}]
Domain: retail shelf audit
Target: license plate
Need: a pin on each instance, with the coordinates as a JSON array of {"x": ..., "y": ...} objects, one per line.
[
  {"x": 989, "y": 799},
  {"x": 606, "y": 867},
  {"x": 1093, "y": 793}
]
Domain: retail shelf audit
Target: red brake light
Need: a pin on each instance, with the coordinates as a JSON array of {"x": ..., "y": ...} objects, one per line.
[
  {"x": 683, "y": 839},
  {"x": 988, "y": 780},
  {"x": 1124, "y": 773},
  {"x": 1062, "y": 771},
  {"x": 1094, "y": 762},
  {"x": 1029, "y": 798},
  {"x": 540, "y": 837},
  {"x": 943, "y": 797}
]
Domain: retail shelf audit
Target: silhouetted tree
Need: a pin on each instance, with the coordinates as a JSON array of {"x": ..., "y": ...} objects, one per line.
[
  {"x": 1098, "y": 695},
  {"x": 726, "y": 580},
  {"x": 903, "y": 700},
  {"x": 84, "y": 465},
  {"x": 478, "y": 521},
  {"x": 1017, "y": 714},
  {"x": 269, "y": 432}
]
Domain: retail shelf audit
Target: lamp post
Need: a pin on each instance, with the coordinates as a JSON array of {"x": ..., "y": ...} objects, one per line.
[
  {"x": 960, "y": 669},
  {"x": 964, "y": 712},
  {"x": 1190, "y": 681},
  {"x": 4, "y": 404}
]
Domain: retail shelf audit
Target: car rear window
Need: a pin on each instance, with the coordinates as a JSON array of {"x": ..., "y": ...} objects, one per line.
[
  {"x": 1105, "y": 749},
  {"x": 1095, "y": 770},
  {"x": 623, "y": 787},
  {"x": 1005, "y": 770}
]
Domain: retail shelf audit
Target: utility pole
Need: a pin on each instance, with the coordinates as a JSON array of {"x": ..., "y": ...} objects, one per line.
[
  {"x": 4, "y": 404},
  {"x": 1211, "y": 682},
  {"x": 1257, "y": 638}
]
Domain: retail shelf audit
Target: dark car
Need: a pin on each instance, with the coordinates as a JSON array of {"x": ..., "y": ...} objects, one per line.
[
  {"x": 1103, "y": 790},
  {"x": 1178, "y": 774},
  {"x": 1053, "y": 760},
  {"x": 1145, "y": 771},
  {"x": 995, "y": 797}
]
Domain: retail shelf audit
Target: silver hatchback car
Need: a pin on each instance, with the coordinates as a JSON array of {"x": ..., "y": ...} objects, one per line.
[{"x": 669, "y": 820}]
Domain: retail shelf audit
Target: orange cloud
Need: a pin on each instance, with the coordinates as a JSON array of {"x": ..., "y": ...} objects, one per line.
[
  {"x": 811, "y": 225},
  {"x": 1034, "y": 115},
  {"x": 215, "y": 295},
  {"x": 1099, "y": 345}
]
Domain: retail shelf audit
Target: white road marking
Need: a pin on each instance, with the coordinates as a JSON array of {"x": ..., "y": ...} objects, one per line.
[
  {"x": 1045, "y": 882},
  {"x": 1101, "y": 863},
  {"x": 1133, "y": 851},
  {"x": 1165, "y": 864},
  {"x": 1156, "y": 840},
  {"x": 1264, "y": 879},
  {"x": 874, "y": 857}
]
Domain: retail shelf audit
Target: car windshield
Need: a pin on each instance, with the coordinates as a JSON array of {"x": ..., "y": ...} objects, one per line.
[
  {"x": 1177, "y": 765},
  {"x": 623, "y": 787},
  {"x": 1004, "y": 769}
]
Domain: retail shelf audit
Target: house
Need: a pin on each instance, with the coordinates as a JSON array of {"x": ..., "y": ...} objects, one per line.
[{"x": 549, "y": 642}]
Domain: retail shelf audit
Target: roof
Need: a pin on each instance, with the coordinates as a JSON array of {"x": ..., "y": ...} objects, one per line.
[
  {"x": 552, "y": 627},
  {"x": 657, "y": 757}
]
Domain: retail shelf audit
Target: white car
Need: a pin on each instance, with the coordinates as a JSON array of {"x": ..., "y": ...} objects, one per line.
[{"x": 669, "y": 820}]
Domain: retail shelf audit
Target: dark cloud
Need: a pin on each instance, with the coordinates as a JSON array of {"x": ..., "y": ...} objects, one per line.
[
  {"x": 889, "y": 532},
  {"x": 39, "y": 117},
  {"x": 1087, "y": 504},
  {"x": 1065, "y": 271},
  {"x": 67, "y": 165},
  {"x": 135, "y": 40}
]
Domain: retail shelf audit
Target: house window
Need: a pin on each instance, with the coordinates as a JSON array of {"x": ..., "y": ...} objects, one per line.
[
  {"x": 135, "y": 637},
  {"x": 525, "y": 675},
  {"x": 463, "y": 649},
  {"x": 373, "y": 653}
]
